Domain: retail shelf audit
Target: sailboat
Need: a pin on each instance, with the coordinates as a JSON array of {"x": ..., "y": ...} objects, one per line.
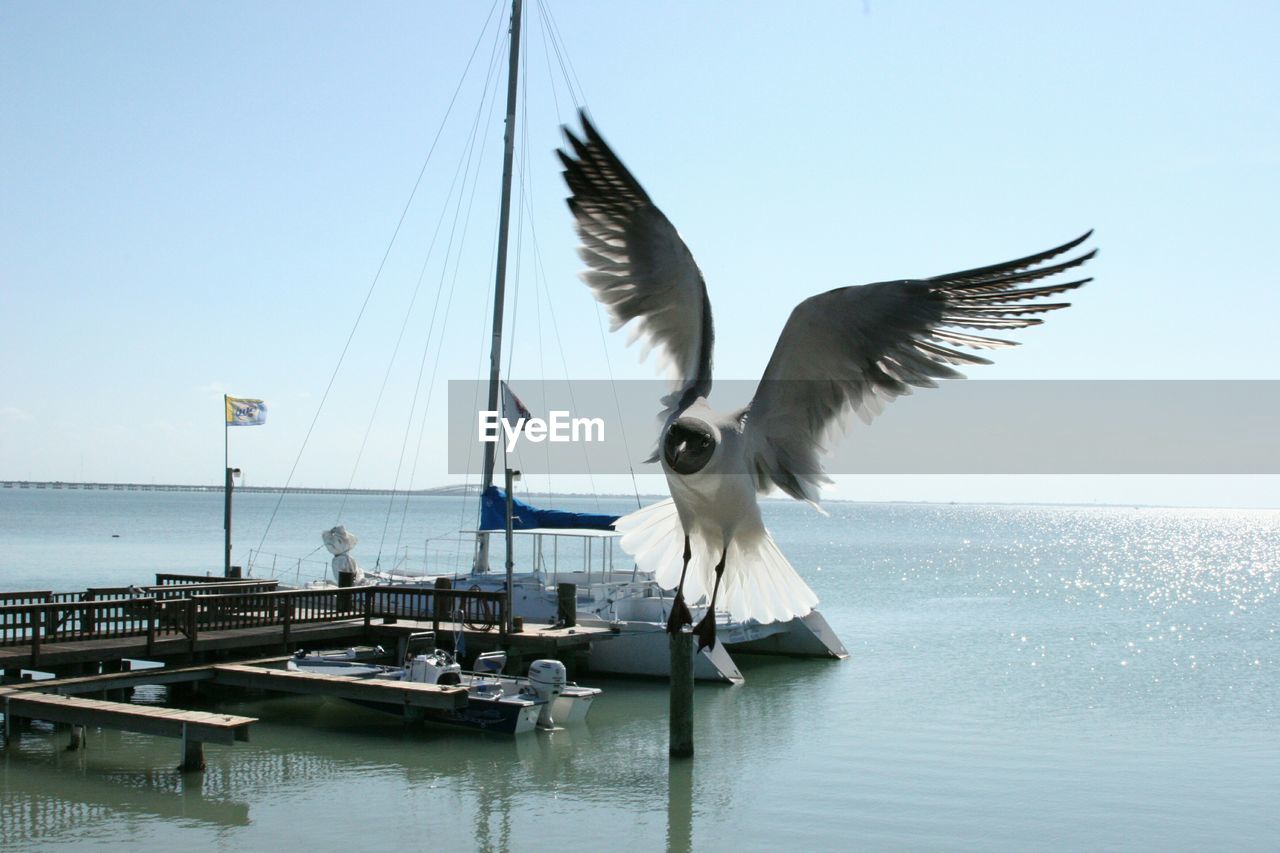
[{"x": 619, "y": 596}]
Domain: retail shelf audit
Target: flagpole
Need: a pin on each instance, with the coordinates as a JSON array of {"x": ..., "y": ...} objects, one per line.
[{"x": 226, "y": 491}]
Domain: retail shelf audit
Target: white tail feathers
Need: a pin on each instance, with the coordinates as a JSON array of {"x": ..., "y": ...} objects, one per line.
[{"x": 759, "y": 583}]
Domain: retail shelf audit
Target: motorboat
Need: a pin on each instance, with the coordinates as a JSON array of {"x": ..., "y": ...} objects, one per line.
[{"x": 508, "y": 704}]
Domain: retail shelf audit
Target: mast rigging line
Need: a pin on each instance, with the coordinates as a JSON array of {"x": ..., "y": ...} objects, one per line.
[
  {"x": 466, "y": 224},
  {"x": 551, "y": 34},
  {"x": 376, "y": 277},
  {"x": 553, "y": 43},
  {"x": 459, "y": 171},
  {"x": 562, "y": 56}
]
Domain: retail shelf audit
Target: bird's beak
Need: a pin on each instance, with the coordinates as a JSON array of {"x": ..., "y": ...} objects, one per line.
[{"x": 675, "y": 454}]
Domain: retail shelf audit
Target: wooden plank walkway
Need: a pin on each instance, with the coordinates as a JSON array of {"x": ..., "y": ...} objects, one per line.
[
  {"x": 407, "y": 694},
  {"x": 52, "y": 701},
  {"x": 535, "y": 639},
  {"x": 62, "y": 653},
  {"x": 199, "y": 726}
]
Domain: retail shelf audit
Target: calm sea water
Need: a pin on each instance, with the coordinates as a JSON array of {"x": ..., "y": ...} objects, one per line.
[{"x": 1020, "y": 677}]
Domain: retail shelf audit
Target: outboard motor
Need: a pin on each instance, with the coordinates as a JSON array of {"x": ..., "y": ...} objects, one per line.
[{"x": 548, "y": 679}]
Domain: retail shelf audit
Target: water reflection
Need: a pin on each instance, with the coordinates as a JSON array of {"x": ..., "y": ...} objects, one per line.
[
  {"x": 680, "y": 805},
  {"x": 51, "y": 795},
  {"x": 313, "y": 756}
]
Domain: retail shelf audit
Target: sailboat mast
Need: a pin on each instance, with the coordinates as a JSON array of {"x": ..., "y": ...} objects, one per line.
[{"x": 500, "y": 282}]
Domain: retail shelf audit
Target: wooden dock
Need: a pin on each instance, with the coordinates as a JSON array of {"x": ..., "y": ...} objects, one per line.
[
  {"x": 145, "y": 719},
  {"x": 237, "y": 634},
  {"x": 261, "y": 675},
  {"x": 70, "y": 634},
  {"x": 404, "y": 693},
  {"x": 194, "y": 728},
  {"x": 58, "y": 701}
]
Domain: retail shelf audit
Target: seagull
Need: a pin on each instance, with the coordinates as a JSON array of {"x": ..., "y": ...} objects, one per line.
[{"x": 844, "y": 352}]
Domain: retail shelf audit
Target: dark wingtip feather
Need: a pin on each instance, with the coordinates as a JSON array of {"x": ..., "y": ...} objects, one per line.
[{"x": 1014, "y": 270}]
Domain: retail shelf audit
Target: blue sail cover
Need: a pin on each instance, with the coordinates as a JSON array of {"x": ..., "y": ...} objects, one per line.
[{"x": 493, "y": 515}]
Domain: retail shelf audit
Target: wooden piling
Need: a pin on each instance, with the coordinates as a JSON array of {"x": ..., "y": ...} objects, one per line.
[
  {"x": 192, "y": 753},
  {"x": 345, "y": 581},
  {"x": 440, "y": 605},
  {"x": 680, "y": 805},
  {"x": 567, "y": 604},
  {"x": 681, "y": 723},
  {"x": 114, "y": 666}
]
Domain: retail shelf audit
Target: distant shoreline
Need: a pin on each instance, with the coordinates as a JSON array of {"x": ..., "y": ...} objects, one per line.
[
  {"x": 436, "y": 491},
  {"x": 473, "y": 490}
]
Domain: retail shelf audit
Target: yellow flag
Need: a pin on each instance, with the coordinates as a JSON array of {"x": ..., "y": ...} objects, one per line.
[{"x": 242, "y": 412}]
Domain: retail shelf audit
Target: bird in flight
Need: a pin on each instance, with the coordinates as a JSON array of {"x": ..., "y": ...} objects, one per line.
[{"x": 845, "y": 351}]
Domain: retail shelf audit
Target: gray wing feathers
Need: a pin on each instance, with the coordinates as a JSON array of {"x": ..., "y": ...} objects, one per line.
[
  {"x": 848, "y": 351},
  {"x": 637, "y": 266}
]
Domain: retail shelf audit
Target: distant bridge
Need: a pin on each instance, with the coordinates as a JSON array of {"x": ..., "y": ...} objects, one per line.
[{"x": 174, "y": 487}]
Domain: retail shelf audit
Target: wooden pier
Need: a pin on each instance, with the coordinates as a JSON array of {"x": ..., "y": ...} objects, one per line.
[
  {"x": 236, "y": 634},
  {"x": 194, "y": 728},
  {"x": 70, "y": 634},
  {"x": 59, "y": 701}
]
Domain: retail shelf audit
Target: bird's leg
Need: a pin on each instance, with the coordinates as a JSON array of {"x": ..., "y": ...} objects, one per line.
[
  {"x": 706, "y": 629},
  {"x": 680, "y": 615}
]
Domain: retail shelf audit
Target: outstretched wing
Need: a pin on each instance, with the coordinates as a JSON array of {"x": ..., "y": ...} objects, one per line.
[
  {"x": 639, "y": 268},
  {"x": 857, "y": 347}
]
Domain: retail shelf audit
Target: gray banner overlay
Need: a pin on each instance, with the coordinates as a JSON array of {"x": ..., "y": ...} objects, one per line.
[{"x": 972, "y": 427}]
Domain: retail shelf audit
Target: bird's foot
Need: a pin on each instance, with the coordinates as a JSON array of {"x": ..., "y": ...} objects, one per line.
[
  {"x": 706, "y": 630},
  {"x": 680, "y": 615}
]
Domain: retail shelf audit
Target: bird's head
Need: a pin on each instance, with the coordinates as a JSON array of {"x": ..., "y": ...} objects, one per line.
[{"x": 689, "y": 445}]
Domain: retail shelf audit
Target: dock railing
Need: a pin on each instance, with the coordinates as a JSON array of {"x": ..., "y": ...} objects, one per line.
[
  {"x": 172, "y": 579},
  {"x": 39, "y": 618}
]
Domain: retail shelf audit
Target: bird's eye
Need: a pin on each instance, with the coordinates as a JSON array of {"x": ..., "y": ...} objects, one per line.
[{"x": 705, "y": 441}]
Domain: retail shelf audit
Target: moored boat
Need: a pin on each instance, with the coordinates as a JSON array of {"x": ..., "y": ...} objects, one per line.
[{"x": 507, "y": 704}]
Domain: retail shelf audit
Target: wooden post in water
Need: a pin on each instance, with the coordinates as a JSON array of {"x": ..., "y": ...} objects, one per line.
[
  {"x": 567, "y": 604},
  {"x": 680, "y": 805},
  {"x": 192, "y": 754},
  {"x": 681, "y": 735}
]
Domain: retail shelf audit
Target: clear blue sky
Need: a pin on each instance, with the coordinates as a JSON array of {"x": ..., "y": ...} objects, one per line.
[{"x": 197, "y": 196}]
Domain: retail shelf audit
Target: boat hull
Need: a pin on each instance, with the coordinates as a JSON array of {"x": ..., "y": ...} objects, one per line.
[
  {"x": 498, "y": 716},
  {"x": 644, "y": 648},
  {"x": 808, "y": 636},
  {"x": 637, "y": 610}
]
